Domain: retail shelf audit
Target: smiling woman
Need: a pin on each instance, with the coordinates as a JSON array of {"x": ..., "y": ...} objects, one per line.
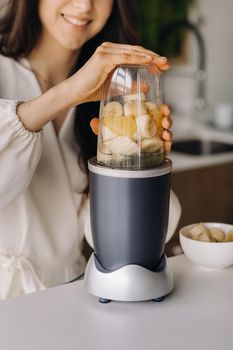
[{"x": 55, "y": 58}]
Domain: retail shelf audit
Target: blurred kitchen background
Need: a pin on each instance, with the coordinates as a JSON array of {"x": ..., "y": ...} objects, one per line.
[
  {"x": 204, "y": 43},
  {"x": 197, "y": 37}
]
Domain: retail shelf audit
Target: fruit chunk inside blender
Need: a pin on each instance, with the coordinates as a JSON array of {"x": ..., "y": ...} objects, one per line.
[{"x": 130, "y": 133}]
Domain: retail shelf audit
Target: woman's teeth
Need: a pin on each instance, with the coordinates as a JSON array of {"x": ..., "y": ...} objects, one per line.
[{"x": 75, "y": 21}]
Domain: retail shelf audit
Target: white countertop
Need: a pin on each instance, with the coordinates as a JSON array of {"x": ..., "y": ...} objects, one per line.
[
  {"x": 197, "y": 315},
  {"x": 186, "y": 129}
]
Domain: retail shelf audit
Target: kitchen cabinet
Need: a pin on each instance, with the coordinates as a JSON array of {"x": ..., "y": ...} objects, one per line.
[{"x": 205, "y": 194}]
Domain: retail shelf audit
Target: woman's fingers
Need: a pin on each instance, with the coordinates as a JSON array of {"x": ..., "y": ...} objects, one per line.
[
  {"x": 113, "y": 60},
  {"x": 135, "y": 48},
  {"x": 94, "y": 124},
  {"x": 166, "y": 119},
  {"x": 155, "y": 68},
  {"x": 165, "y": 110},
  {"x": 166, "y": 124},
  {"x": 132, "y": 54},
  {"x": 167, "y": 138}
]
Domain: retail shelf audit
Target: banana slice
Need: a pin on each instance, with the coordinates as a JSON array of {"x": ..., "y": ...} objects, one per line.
[
  {"x": 204, "y": 237},
  {"x": 108, "y": 158},
  {"x": 151, "y": 107},
  {"x": 213, "y": 234},
  {"x": 113, "y": 109},
  {"x": 229, "y": 236},
  {"x": 134, "y": 108},
  {"x": 155, "y": 113},
  {"x": 105, "y": 149},
  {"x": 153, "y": 128},
  {"x": 143, "y": 126},
  {"x": 123, "y": 145},
  {"x": 217, "y": 234},
  {"x": 121, "y": 126},
  {"x": 198, "y": 229},
  {"x": 188, "y": 235},
  {"x": 151, "y": 145},
  {"x": 107, "y": 134},
  {"x": 134, "y": 97}
]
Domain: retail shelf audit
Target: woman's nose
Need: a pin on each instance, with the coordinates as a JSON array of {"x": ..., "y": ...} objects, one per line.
[{"x": 82, "y": 5}]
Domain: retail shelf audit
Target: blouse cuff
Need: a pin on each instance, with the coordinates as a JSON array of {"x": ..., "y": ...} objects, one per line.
[{"x": 14, "y": 121}]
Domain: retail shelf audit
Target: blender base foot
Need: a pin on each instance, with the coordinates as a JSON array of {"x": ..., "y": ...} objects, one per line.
[
  {"x": 104, "y": 284},
  {"x": 104, "y": 301},
  {"x": 158, "y": 300}
]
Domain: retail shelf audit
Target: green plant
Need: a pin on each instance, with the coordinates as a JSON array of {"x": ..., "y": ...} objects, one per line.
[{"x": 155, "y": 16}]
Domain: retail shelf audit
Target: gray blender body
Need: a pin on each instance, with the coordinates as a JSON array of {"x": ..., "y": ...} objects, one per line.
[{"x": 129, "y": 215}]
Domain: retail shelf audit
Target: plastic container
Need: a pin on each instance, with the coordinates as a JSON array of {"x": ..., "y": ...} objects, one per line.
[{"x": 130, "y": 119}]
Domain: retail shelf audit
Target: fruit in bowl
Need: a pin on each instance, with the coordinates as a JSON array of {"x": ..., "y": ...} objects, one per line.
[{"x": 208, "y": 244}]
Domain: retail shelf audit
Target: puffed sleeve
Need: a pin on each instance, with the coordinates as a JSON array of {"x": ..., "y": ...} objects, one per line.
[
  {"x": 20, "y": 151},
  {"x": 174, "y": 215}
]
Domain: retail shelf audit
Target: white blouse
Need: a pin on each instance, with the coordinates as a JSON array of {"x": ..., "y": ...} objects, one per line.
[
  {"x": 43, "y": 211},
  {"x": 42, "y": 207}
]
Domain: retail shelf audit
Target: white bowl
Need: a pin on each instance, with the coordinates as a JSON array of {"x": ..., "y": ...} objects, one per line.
[{"x": 215, "y": 255}]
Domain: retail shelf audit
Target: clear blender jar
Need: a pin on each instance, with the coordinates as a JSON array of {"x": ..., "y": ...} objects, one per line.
[{"x": 130, "y": 119}]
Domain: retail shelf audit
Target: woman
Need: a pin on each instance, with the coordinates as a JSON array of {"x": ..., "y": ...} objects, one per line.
[{"x": 54, "y": 57}]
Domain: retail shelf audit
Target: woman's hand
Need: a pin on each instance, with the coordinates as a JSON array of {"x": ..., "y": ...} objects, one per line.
[
  {"x": 92, "y": 79},
  {"x": 166, "y": 124},
  {"x": 89, "y": 82}
]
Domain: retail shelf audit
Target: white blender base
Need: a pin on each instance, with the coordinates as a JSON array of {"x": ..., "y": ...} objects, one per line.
[{"x": 128, "y": 283}]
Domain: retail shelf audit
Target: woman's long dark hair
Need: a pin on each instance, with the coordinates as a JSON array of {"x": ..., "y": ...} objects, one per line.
[{"x": 20, "y": 28}]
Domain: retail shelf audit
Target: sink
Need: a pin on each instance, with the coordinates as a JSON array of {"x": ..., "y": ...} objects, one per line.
[{"x": 199, "y": 147}]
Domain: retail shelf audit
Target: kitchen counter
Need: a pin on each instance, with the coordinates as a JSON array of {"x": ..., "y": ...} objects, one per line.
[
  {"x": 188, "y": 129},
  {"x": 197, "y": 315}
]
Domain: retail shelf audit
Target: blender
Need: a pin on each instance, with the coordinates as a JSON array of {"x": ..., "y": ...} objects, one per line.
[{"x": 129, "y": 192}]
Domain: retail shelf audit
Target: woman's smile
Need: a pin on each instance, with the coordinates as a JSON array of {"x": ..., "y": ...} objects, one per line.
[{"x": 75, "y": 22}]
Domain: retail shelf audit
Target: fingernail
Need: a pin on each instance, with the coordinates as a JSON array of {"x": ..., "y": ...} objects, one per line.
[
  {"x": 148, "y": 57},
  {"x": 163, "y": 58}
]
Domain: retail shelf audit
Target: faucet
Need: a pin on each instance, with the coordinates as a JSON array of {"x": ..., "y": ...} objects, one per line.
[{"x": 200, "y": 74}]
